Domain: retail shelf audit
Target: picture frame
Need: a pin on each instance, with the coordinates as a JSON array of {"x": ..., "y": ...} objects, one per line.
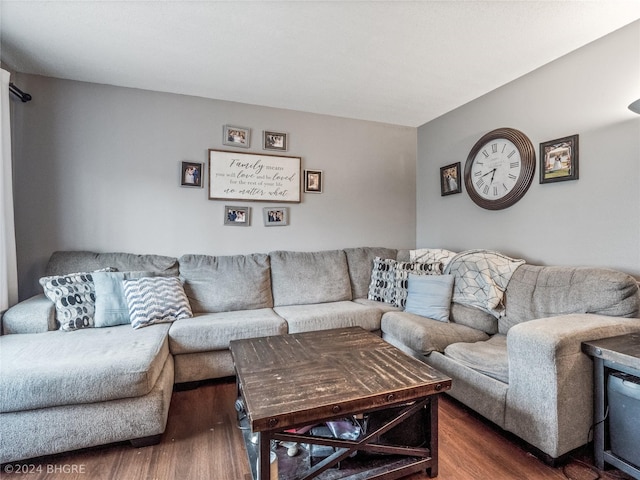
[
  {"x": 275, "y": 140},
  {"x": 450, "y": 179},
  {"x": 275, "y": 216},
  {"x": 259, "y": 177},
  {"x": 191, "y": 174},
  {"x": 237, "y": 216},
  {"x": 236, "y": 136},
  {"x": 559, "y": 160},
  {"x": 313, "y": 181}
]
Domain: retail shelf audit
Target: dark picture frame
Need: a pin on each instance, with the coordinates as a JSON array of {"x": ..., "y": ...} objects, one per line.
[
  {"x": 450, "y": 181},
  {"x": 313, "y": 181},
  {"x": 191, "y": 174},
  {"x": 275, "y": 216},
  {"x": 236, "y": 136},
  {"x": 237, "y": 216},
  {"x": 559, "y": 160},
  {"x": 275, "y": 140}
]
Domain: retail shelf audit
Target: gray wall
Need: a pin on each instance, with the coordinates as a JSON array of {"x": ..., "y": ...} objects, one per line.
[
  {"x": 97, "y": 168},
  {"x": 592, "y": 221}
]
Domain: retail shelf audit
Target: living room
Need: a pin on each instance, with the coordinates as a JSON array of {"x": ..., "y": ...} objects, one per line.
[{"x": 97, "y": 167}]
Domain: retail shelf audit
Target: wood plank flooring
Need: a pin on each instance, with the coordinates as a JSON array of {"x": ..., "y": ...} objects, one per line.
[{"x": 202, "y": 442}]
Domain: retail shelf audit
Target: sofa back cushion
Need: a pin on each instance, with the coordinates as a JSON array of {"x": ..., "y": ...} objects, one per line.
[
  {"x": 538, "y": 292},
  {"x": 360, "y": 263},
  {"x": 302, "y": 278},
  {"x": 62, "y": 263},
  {"x": 226, "y": 283}
]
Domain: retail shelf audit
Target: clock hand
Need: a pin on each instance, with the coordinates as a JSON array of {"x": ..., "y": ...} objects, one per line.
[{"x": 490, "y": 171}]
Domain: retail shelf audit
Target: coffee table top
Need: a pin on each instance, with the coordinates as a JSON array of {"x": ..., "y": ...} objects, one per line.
[{"x": 297, "y": 379}]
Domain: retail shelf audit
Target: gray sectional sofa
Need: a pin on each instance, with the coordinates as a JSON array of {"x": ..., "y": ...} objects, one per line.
[{"x": 64, "y": 390}]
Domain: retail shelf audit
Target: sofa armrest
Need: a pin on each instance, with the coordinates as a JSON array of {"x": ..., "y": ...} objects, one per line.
[
  {"x": 550, "y": 396},
  {"x": 33, "y": 315}
]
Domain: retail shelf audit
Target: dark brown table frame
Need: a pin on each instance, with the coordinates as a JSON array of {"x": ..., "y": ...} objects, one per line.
[{"x": 290, "y": 381}]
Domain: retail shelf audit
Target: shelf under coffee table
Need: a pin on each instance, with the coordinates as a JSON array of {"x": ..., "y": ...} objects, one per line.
[{"x": 291, "y": 381}]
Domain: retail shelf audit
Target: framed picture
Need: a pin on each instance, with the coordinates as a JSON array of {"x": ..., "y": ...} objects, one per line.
[
  {"x": 275, "y": 216},
  {"x": 313, "y": 181},
  {"x": 238, "y": 216},
  {"x": 191, "y": 174},
  {"x": 253, "y": 177},
  {"x": 559, "y": 160},
  {"x": 450, "y": 179},
  {"x": 236, "y": 136},
  {"x": 275, "y": 141}
]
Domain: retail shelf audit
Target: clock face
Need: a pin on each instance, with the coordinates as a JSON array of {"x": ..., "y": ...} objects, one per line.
[
  {"x": 496, "y": 169},
  {"x": 499, "y": 168}
]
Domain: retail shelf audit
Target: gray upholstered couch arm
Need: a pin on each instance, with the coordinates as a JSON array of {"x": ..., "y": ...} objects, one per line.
[
  {"x": 33, "y": 315},
  {"x": 551, "y": 380}
]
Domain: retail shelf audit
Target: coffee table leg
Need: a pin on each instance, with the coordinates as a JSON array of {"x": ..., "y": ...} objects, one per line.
[
  {"x": 264, "y": 456},
  {"x": 433, "y": 441}
]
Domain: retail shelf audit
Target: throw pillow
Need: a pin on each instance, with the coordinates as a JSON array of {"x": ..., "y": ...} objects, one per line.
[
  {"x": 430, "y": 296},
  {"x": 153, "y": 300},
  {"x": 430, "y": 255},
  {"x": 383, "y": 281},
  {"x": 111, "y": 306},
  {"x": 402, "y": 271},
  {"x": 74, "y": 297}
]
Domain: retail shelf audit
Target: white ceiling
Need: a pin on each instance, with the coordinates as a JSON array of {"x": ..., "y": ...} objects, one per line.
[{"x": 389, "y": 61}]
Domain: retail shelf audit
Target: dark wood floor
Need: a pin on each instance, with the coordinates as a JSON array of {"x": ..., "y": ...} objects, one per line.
[{"x": 202, "y": 441}]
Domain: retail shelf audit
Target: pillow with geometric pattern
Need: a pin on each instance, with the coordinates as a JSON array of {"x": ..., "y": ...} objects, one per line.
[
  {"x": 402, "y": 271},
  {"x": 152, "y": 300},
  {"x": 74, "y": 297},
  {"x": 382, "y": 287}
]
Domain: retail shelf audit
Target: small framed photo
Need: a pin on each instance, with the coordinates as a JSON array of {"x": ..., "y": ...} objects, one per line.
[
  {"x": 559, "y": 160},
  {"x": 238, "y": 216},
  {"x": 191, "y": 174},
  {"x": 275, "y": 216},
  {"x": 236, "y": 136},
  {"x": 313, "y": 181},
  {"x": 450, "y": 179},
  {"x": 275, "y": 141}
]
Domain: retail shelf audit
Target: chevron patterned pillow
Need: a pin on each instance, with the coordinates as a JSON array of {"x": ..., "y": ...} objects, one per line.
[{"x": 155, "y": 300}]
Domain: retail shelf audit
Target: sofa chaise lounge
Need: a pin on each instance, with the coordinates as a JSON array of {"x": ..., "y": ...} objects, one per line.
[{"x": 65, "y": 390}]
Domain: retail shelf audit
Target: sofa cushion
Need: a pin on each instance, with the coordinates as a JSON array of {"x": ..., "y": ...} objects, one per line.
[
  {"x": 55, "y": 368},
  {"x": 152, "y": 300},
  {"x": 430, "y": 296},
  {"x": 539, "y": 292},
  {"x": 425, "y": 335},
  {"x": 489, "y": 357},
  {"x": 360, "y": 263},
  {"x": 227, "y": 283},
  {"x": 207, "y": 332},
  {"x": 111, "y": 306},
  {"x": 64, "y": 262},
  {"x": 303, "y": 278},
  {"x": 384, "y": 307},
  {"x": 325, "y": 316},
  {"x": 474, "y": 318}
]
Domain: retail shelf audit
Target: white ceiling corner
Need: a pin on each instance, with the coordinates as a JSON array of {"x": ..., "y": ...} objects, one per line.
[{"x": 399, "y": 62}]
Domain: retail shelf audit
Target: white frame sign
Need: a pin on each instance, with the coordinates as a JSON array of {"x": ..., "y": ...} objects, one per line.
[{"x": 253, "y": 177}]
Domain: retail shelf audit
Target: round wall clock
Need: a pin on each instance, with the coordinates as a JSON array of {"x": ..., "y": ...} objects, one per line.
[{"x": 500, "y": 168}]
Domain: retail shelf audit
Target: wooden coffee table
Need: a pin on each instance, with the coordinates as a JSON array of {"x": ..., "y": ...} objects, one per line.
[{"x": 291, "y": 381}]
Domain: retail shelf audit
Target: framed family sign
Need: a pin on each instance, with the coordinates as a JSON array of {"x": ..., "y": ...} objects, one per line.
[{"x": 253, "y": 177}]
